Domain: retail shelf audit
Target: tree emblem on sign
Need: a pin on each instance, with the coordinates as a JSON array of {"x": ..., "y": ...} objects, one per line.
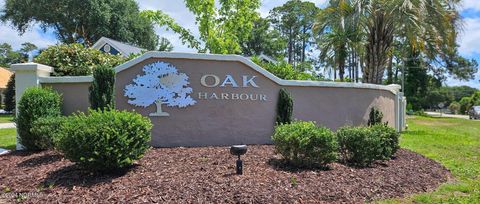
[{"x": 161, "y": 84}]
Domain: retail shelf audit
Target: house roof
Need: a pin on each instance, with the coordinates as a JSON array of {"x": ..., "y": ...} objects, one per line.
[
  {"x": 5, "y": 75},
  {"x": 124, "y": 48}
]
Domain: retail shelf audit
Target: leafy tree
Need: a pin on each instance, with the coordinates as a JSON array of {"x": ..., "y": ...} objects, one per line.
[
  {"x": 465, "y": 104},
  {"x": 454, "y": 107},
  {"x": 294, "y": 20},
  {"x": 284, "y": 107},
  {"x": 284, "y": 70},
  {"x": 8, "y": 56},
  {"x": 101, "y": 92},
  {"x": 221, "y": 29},
  {"x": 164, "y": 45},
  {"x": 83, "y": 21},
  {"x": 10, "y": 95},
  {"x": 263, "y": 40},
  {"x": 76, "y": 60}
]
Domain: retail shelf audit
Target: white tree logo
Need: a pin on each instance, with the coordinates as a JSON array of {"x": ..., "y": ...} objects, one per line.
[{"x": 161, "y": 84}]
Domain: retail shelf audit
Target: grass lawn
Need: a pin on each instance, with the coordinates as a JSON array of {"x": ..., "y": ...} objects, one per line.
[
  {"x": 7, "y": 138},
  {"x": 6, "y": 118},
  {"x": 455, "y": 143}
]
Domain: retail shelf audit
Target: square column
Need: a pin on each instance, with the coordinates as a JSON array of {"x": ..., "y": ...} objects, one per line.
[{"x": 27, "y": 75}]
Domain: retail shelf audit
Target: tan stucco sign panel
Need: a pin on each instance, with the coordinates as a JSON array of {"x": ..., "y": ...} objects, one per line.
[{"x": 235, "y": 104}]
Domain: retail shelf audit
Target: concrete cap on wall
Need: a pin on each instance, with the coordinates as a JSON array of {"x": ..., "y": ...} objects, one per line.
[
  {"x": 31, "y": 67},
  {"x": 237, "y": 58}
]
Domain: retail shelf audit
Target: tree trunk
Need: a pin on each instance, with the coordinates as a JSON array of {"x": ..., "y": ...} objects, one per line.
[
  {"x": 390, "y": 70},
  {"x": 379, "y": 44},
  {"x": 159, "y": 112}
]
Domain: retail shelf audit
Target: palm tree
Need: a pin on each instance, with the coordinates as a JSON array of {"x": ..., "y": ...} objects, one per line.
[
  {"x": 332, "y": 36},
  {"x": 364, "y": 31},
  {"x": 427, "y": 26}
]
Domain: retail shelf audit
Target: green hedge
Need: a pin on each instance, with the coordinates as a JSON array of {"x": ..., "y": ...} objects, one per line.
[
  {"x": 46, "y": 129},
  {"x": 34, "y": 104},
  {"x": 361, "y": 146},
  {"x": 104, "y": 140},
  {"x": 304, "y": 144}
]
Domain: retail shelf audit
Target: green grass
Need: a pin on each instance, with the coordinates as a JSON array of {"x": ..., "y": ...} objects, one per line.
[
  {"x": 7, "y": 138},
  {"x": 455, "y": 143},
  {"x": 6, "y": 118}
]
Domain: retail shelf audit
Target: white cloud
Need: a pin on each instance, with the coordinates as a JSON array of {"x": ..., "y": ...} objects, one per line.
[
  {"x": 470, "y": 4},
  {"x": 469, "y": 40},
  {"x": 33, "y": 35}
]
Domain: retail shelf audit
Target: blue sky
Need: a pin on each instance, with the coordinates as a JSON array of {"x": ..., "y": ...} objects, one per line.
[{"x": 469, "y": 40}]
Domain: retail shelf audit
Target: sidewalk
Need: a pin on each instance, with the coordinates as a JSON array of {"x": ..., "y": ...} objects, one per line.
[
  {"x": 7, "y": 125},
  {"x": 4, "y": 151},
  {"x": 437, "y": 114}
]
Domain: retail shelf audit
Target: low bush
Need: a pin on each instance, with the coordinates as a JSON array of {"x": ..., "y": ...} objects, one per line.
[
  {"x": 303, "y": 144},
  {"x": 358, "y": 146},
  {"x": 375, "y": 117},
  {"x": 390, "y": 140},
  {"x": 34, "y": 104},
  {"x": 45, "y": 129},
  {"x": 104, "y": 140}
]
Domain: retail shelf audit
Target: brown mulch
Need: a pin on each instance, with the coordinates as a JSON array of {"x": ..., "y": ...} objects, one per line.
[{"x": 206, "y": 175}]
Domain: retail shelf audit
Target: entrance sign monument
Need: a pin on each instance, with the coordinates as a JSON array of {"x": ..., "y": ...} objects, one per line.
[{"x": 210, "y": 100}]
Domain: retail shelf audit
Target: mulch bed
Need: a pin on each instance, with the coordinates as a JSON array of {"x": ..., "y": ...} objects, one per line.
[{"x": 206, "y": 175}]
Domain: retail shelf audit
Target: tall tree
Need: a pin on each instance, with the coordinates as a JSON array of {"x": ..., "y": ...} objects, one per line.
[
  {"x": 426, "y": 26},
  {"x": 294, "y": 20},
  {"x": 339, "y": 37},
  {"x": 164, "y": 45},
  {"x": 83, "y": 21},
  {"x": 221, "y": 28},
  {"x": 263, "y": 40},
  {"x": 9, "y": 56}
]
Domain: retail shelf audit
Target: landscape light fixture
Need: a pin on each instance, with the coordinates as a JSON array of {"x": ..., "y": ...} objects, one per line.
[{"x": 239, "y": 150}]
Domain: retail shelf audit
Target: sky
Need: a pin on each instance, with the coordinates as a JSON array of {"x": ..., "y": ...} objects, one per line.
[{"x": 469, "y": 40}]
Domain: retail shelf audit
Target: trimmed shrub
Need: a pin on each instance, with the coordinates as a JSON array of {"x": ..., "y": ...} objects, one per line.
[
  {"x": 34, "y": 104},
  {"x": 10, "y": 95},
  {"x": 375, "y": 117},
  {"x": 75, "y": 59},
  {"x": 46, "y": 129},
  {"x": 284, "y": 107},
  {"x": 390, "y": 140},
  {"x": 101, "y": 93},
  {"x": 303, "y": 144},
  {"x": 104, "y": 140},
  {"x": 358, "y": 145}
]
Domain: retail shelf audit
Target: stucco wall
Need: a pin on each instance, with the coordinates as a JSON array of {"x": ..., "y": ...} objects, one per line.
[
  {"x": 74, "y": 95},
  {"x": 225, "y": 122}
]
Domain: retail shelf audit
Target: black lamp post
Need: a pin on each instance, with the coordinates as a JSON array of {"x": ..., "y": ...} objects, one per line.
[{"x": 239, "y": 150}]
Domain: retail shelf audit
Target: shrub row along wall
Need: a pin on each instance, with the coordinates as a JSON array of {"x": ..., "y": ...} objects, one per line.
[{"x": 231, "y": 100}]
